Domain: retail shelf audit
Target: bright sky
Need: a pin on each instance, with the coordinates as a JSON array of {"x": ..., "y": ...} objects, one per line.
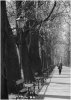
[{"x": 8, "y": 0}]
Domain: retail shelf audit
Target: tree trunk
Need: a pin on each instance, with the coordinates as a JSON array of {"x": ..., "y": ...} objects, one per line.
[
  {"x": 18, "y": 13},
  {"x": 4, "y": 89},
  {"x": 27, "y": 71},
  {"x": 34, "y": 54},
  {"x": 9, "y": 52},
  {"x": 28, "y": 75}
]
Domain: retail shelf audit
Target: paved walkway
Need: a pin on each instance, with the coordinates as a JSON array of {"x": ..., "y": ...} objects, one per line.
[{"x": 57, "y": 87}]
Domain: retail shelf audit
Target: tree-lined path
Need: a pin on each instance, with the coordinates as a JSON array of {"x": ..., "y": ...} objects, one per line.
[
  {"x": 35, "y": 37},
  {"x": 59, "y": 86}
]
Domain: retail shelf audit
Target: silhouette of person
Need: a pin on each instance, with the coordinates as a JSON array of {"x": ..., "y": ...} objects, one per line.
[{"x": 60, "y": 68}]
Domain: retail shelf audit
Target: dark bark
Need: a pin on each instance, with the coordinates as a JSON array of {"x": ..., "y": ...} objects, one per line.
[
  {"x": 49, "y": 57},
  {"x": 28, "y": 74},
  {"x": 30, "y": 57},
  {"x": 44, "y": 60},
  {"x": 34, "y": 54},
  {"x": 9, "y": 53},
  {"x": 24, "y": 53},
  {"x": 4, "y": 88},
  {"x": 18, "y": 13}
]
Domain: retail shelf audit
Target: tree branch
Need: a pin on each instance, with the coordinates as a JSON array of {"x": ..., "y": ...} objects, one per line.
[
  {"x": 39, "y": 23},
  {"x": 50, "y": 12},
  {"x": 46, "y": 19}
]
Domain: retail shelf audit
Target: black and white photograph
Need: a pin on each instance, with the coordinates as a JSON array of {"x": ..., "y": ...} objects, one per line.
[{"x": 35, "y": 49}]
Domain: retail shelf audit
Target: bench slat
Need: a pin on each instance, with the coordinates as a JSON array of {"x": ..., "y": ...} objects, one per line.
[
  {"x": 19, "y": 81},
  {"x": 23, "y": 90}
]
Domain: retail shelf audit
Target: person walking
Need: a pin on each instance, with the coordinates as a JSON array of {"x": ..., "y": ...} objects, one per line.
[{"x": 60, "y": 68}]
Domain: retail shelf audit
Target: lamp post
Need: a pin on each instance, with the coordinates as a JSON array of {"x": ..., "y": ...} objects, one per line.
[{"x": 20, "y": 23}]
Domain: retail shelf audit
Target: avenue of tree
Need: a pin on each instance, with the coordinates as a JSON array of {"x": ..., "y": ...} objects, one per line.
[{"x": 37, "y": 46}]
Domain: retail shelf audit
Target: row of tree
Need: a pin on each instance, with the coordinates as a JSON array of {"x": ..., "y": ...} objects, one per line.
[
  {"x": 32, "y": 37},
  {"x": 37, "y": 42}
]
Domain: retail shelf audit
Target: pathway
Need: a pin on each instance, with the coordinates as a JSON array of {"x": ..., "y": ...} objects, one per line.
[{"x": 57, "y": 87}]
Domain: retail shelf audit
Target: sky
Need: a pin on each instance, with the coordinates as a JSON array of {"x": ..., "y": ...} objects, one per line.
[{"x": 8, "y": 0}]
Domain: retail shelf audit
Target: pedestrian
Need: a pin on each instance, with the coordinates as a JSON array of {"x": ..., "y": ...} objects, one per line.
[{"x": 60, "y": 68}]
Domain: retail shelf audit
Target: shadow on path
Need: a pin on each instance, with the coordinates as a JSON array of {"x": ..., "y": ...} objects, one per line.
[
  {"x": 60, "y": 83},
  {"x": 53, "y": 96},
  {"x": 61, "y": 77}
]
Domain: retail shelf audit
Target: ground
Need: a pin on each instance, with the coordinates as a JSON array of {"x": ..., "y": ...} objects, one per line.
[{"x": 56, "y": 87}]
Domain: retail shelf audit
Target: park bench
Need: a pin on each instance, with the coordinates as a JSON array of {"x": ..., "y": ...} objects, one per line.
[
  {"x": 26, "y": 91},
  {"x": 29, "y": 91},
  {"x": 23, "y": 90},
  {"x": 39, "y": 79}
]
